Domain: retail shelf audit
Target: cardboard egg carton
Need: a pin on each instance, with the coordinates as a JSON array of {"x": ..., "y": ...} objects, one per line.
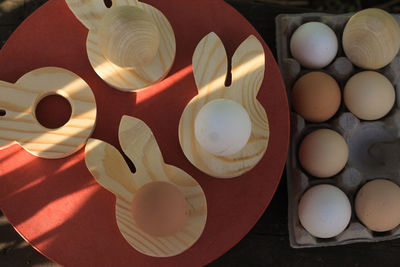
[{"x": 374, "y": 146}]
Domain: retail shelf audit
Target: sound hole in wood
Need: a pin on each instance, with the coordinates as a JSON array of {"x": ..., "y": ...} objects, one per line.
[
  {"x": 2, "y": 112},
  {"x": 53, "y": 111}
]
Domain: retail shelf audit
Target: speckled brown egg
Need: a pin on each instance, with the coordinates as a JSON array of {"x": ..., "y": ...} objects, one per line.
[
  {"x": 160, "y": 209},
  {"x": 377, "y": 205},
  {"x": 316, "y": 96}
]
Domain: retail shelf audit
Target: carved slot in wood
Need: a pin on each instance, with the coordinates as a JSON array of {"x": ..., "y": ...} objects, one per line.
[{"x": 129, "y": 162}]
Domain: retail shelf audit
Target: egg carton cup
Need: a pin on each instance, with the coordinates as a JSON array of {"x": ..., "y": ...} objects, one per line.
[{"x": 374, "y": 146}]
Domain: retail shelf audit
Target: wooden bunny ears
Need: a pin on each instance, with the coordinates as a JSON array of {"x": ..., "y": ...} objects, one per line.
[
  {"x": 19, "y": 124},
  {"x": 130, "y": 45},
  {"x": 210, "y": 70},
  {"x": 149, "y": 200}
]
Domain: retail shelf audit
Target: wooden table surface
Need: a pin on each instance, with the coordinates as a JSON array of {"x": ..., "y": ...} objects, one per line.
[{"x": 267, "y": 243}]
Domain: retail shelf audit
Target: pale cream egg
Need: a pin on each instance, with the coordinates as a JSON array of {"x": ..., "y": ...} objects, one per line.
[{"x": 369, "y": 95}]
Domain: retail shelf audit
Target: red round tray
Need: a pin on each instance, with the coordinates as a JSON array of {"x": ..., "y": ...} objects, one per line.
[{"x": 58, "y": 207}]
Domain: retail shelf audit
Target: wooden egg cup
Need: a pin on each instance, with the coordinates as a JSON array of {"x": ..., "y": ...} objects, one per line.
[
  {"x": 110, "y": 170},
  {"x": 90, "y": 13},
  {"x": 210, "y": 70},
  {"x": 19, "y": 123},
  {"x": 371, "y": 38}
]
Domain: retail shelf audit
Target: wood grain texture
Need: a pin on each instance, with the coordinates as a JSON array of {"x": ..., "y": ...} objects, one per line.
[
  {"x": 90, "y": 13},
  {"x": 110, "y": 170},
  {"x": 128, "y": 37},
  {"x": 19, "y": 124},
  {"x": 210, "y": 70},
  {"x": 371, "y": 38}
]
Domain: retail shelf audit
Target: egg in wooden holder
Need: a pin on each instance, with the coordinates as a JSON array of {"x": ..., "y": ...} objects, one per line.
[
  {"x": 161, "y": 211},
  {"x": 210, "y": 71},
  {"x": 18, "y": 122},
  {"x": 130, "y": 45}
]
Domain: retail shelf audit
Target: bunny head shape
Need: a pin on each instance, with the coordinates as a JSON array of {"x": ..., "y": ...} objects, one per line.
[
  {"x": 210, "y": 70},
  {"x": 19, "y": 124},
  {"x": 110, "y": 170},
  {"x": 130, "y": 45}
]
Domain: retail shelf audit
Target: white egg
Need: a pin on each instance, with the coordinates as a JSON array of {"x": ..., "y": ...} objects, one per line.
[
  {"x": 222, "y": 127},
  {"x": 324, "y": 211},
  {"x": 314, "y": 45}
]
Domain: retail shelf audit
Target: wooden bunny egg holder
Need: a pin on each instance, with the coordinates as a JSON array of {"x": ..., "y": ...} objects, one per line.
[
  {"x": 91, "y": 12},
  {"x": 139, "y": 144},
  {"x": 210, "y": 70},
  {"x": 19, "y": 124}
]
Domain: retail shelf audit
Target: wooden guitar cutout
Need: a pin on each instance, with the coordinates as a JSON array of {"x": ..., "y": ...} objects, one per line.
[
  {"x": 90, "y": 13},
  {"x": 210, "y": 70},
  {"x": 19, "y": 124},
  {"x": 110, "y": 170}
]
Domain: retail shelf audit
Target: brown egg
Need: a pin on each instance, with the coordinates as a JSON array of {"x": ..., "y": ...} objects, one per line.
[
  {"x": 160, "y": 209},
  {"x": 323, "y": 153},
  {"x": 316, "y": 96},
  {"x": 377, "y": 205}
]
